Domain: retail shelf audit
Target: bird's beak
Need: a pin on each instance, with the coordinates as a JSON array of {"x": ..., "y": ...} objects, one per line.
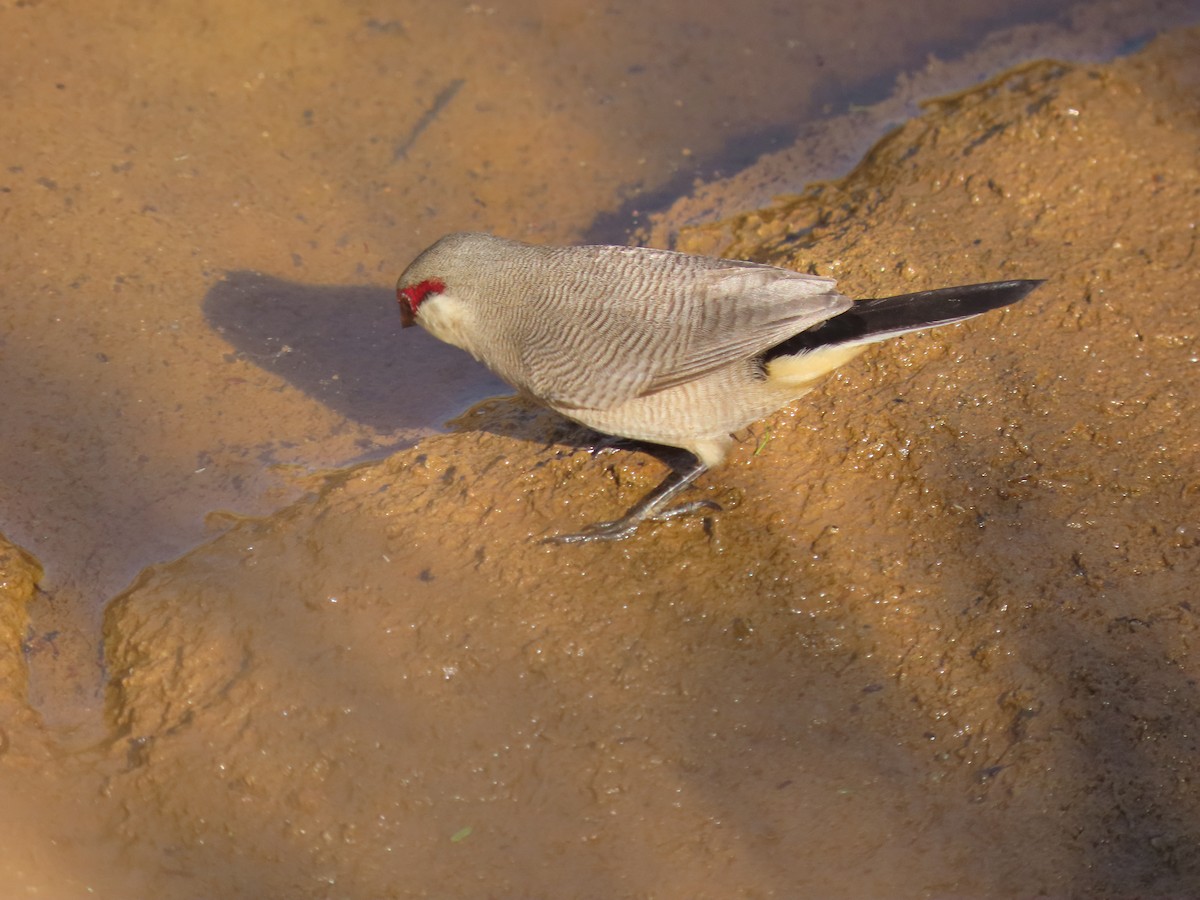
[{"x": 407, "y": 318}]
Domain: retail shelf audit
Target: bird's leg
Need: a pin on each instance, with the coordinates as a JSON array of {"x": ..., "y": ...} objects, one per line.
[{"x": 649, "y": 507}]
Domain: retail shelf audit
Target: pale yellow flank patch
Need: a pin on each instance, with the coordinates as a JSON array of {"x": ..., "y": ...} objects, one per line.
[{"x": 801, "y": 370}]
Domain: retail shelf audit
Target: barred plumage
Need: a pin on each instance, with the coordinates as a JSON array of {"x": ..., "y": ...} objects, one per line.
[{"x": 654, "y": 345}]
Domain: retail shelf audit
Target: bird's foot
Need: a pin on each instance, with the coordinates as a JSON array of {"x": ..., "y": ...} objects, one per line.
[
  {"x": 686, "y": 509},
  {"x": 616, "y": 530},
  {"x": 650, "y": 507},
  {"x": 624, "y": 527}
]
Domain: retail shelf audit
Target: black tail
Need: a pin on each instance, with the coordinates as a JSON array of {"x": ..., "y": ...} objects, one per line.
[{"x": 868, "y": 321}]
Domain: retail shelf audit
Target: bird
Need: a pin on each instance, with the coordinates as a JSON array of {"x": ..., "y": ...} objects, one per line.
[{"x": 658, "y": 346}]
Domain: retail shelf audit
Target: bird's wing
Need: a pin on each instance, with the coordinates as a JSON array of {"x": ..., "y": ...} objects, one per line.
[{"x": 651, "y": 320}]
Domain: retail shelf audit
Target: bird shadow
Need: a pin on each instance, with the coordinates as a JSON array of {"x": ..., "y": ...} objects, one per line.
[{"x": 342, "y": 346}]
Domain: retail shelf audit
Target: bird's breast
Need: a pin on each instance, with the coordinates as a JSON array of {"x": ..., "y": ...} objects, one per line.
[{"x": 448, "y": 318}]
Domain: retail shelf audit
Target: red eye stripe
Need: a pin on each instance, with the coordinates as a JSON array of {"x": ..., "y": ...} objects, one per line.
[
  {"x": 416, "y": 294},
  {"x": 413, "y": 296}
]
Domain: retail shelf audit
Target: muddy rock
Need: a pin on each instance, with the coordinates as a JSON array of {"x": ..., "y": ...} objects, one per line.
[
  {"x": 938, "y": 642},
  {"x": 19, "y": 576}
]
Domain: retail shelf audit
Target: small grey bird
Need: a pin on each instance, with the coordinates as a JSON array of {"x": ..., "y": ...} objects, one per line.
[{"x": 658, "y": 346}]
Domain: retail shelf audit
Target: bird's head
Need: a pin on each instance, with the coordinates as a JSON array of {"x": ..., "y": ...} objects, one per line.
[
  {"x": 440, "y": 290},
  {"x": 440, "y": 279},
  {"x": 448, "y": 288}
]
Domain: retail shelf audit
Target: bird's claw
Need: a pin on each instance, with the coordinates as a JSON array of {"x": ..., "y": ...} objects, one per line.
[{"x": 599, "y": 531}]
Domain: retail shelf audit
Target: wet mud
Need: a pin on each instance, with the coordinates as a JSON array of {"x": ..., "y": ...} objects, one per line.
[
  {"x": 938, "y": 643},
  {"x": 162, "y": 163}
]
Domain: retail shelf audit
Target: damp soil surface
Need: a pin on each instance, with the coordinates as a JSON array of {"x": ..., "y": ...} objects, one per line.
[
  {"x": 204, "y": 210},
  {"x": 937, "y": 643}
]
